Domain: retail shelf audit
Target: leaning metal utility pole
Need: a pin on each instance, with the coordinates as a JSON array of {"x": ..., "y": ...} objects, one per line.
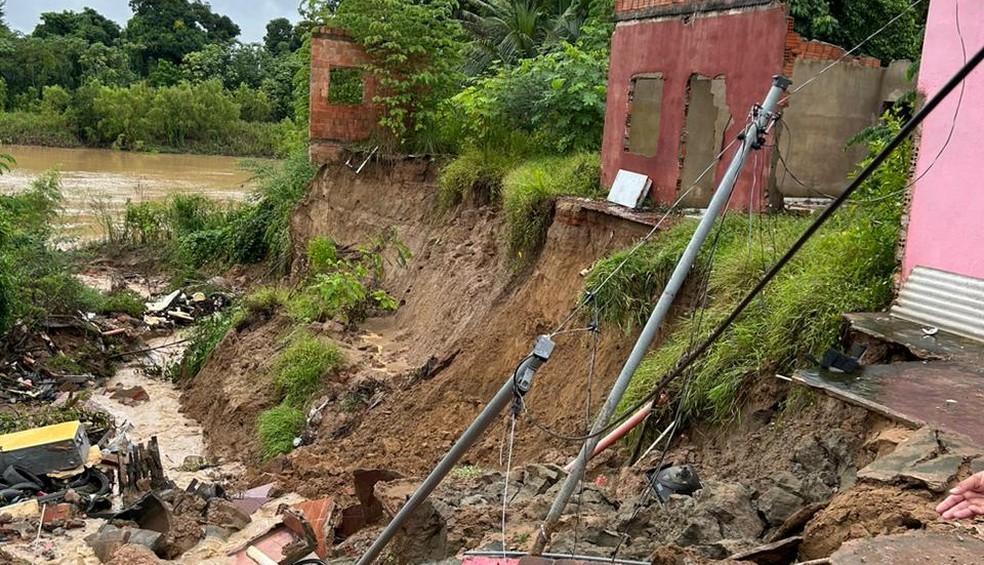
[
  {"x": 752, "y": 138},
  {"x": 517, "y": 385}
]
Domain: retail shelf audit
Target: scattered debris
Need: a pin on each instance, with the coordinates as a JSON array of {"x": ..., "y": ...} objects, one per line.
[{"x": 178, "y": 308}]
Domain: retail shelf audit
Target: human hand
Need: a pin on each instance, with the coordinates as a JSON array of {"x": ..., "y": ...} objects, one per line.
[{"x": 966, "y": 499}]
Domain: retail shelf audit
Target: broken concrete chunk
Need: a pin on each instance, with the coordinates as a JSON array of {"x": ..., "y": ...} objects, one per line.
[
  {"x": 777, "y": 505},
  {"x": 922, "y": 459},
  {"x": 130, "y": 396},
  {"x": 109, "y": 539},
  {"x": 719, "y": 511},
  {"x": 224, "y": 514},
  {"x": 915, "y": 548}
]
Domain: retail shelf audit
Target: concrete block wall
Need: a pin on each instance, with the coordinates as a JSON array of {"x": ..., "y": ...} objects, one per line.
[{"x": 331, "y": 125}]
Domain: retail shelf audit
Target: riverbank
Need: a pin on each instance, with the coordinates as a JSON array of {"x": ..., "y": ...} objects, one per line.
[
  {"x": 239, "y": 138},
  {"x": 96, "y": 184}
]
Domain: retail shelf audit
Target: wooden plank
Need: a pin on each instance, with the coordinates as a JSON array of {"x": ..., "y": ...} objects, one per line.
[
  {"x": 810, "y": 380},
  {"x": 945, "y": 395}
]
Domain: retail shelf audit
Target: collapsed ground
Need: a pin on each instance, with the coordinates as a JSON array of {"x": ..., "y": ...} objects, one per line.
[
  {"x": 468, "y": 312},
  {"x": 398, "y": 388}
]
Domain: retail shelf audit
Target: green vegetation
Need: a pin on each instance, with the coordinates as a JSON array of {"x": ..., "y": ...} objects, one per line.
[
  {"x": 204, "y": 339},
  {"x": 555, "y": 99},
  {"x": 277, "y": 428},
  {"x": 174, "y": 78},
  {"x": 848, "y": 266},
  {"x": 96, "y": 423},
  {"x": 297, "y": 374},
  {"x": 346, "y": 288},
  {"x": 475, "y": 177},
  {"x": 299, "y": 369},
  {"x": 848, "y": 22},
  {"x": 414, "y": 48},
  {"x": 529, "y": 190},
  {"x": 36, "y": 278},
  {"x": 191, "y": 231}
]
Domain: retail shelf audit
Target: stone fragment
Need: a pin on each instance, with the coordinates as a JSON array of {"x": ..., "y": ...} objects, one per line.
[
  {"x": 777, "y": 505},
  {"x": 224, "y": 514}
]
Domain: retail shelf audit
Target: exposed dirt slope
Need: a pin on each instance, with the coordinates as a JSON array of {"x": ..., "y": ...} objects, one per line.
[
  {"x": 462, "y": 301},
  {"x": 461, "y": 296}
]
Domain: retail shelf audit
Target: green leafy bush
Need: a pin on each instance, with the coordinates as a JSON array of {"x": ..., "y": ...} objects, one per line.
[
  {"x": 277, "y": 428},
  {"x": 557, "y": 98},
  {"x": 346, "y": 288},
  {"x": 36, "y": 279},
  {"x": 415, "y": 50}
]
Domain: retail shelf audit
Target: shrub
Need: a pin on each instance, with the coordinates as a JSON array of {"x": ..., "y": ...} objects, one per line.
[
  {"x": 204, "y": 339},
  {"x": 28, "y": 128},
  {"x": 299, "y": 369},
  {"x": 558, "y": 98},
  {"x": 277, "y": 428}
]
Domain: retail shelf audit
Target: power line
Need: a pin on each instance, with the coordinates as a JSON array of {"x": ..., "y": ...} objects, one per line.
[{"x": 855, "y": 48}]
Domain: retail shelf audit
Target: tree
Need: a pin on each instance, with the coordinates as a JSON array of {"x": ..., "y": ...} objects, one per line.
[
  {"x": 848, "y": 22},
  {"x": 89, "y": 25},
  {"x": 414, "y": 49},
  {"x": 108, "y": 65},
  {"x": 279, "y": 36},
  {"x": 509, "y": 30},
  {"x": 3, "y": 16},
  {"x": 170, "y": 29},
  {"x": 32, "y": 63}
]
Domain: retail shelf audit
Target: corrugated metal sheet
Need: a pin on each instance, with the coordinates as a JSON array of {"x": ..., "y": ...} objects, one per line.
[{"x": 948, "y": 301}]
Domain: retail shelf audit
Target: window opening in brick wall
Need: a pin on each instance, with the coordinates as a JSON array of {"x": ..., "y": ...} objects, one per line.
[
  {"x": 345, "y": 86},
  {"x": 642, "y": 120},
  {"x": 707, "y": 119}
]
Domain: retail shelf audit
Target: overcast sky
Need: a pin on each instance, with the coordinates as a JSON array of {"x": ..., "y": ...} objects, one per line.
[{"x": 251, "y": 15}]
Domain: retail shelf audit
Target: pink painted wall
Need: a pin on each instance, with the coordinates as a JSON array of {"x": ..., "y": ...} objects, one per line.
[
  {"x": 946, "y": 227},
  {"x": 746, "y": 48}
]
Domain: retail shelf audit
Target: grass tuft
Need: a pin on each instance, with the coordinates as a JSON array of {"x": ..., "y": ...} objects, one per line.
[
  {"x": 277, "y": 428},
  {"x": 474, "y": 177},
  {"x": 204, "y": 339},
  {"x": 528, "y": 193},
  {"x": 300, "y": 368}
]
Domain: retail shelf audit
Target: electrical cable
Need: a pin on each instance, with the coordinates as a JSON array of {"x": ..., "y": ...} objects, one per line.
[
  {"x": 821, "y": 219},
  {"x": 590, "y": 295},
  {"x": 505, "y": 488},
  {"x": 853, "y": 49},
  {"x": 785, "y": 166},
  {"x": 953, "y": 122},
  {"x": 592, "y": 358}
]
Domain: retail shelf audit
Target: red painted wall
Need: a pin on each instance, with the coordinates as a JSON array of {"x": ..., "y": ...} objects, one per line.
[
  {"x": 746, "y": 47},
  {"x": 330, "y": 125}
]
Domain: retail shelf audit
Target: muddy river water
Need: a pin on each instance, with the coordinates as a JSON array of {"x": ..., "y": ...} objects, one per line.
[{"x": 95, "y": 180}]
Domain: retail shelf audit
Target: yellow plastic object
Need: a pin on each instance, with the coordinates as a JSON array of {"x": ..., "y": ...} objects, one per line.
[{"x": 43, "y": 450}]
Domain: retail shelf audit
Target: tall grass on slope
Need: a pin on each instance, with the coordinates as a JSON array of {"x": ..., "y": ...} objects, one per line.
[
  {"x": 847, "y": 266},
  {"x": 529, "y": 191}
]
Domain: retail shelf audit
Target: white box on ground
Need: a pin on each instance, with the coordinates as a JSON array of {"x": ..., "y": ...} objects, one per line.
[{"x": 629, "y": 189}]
